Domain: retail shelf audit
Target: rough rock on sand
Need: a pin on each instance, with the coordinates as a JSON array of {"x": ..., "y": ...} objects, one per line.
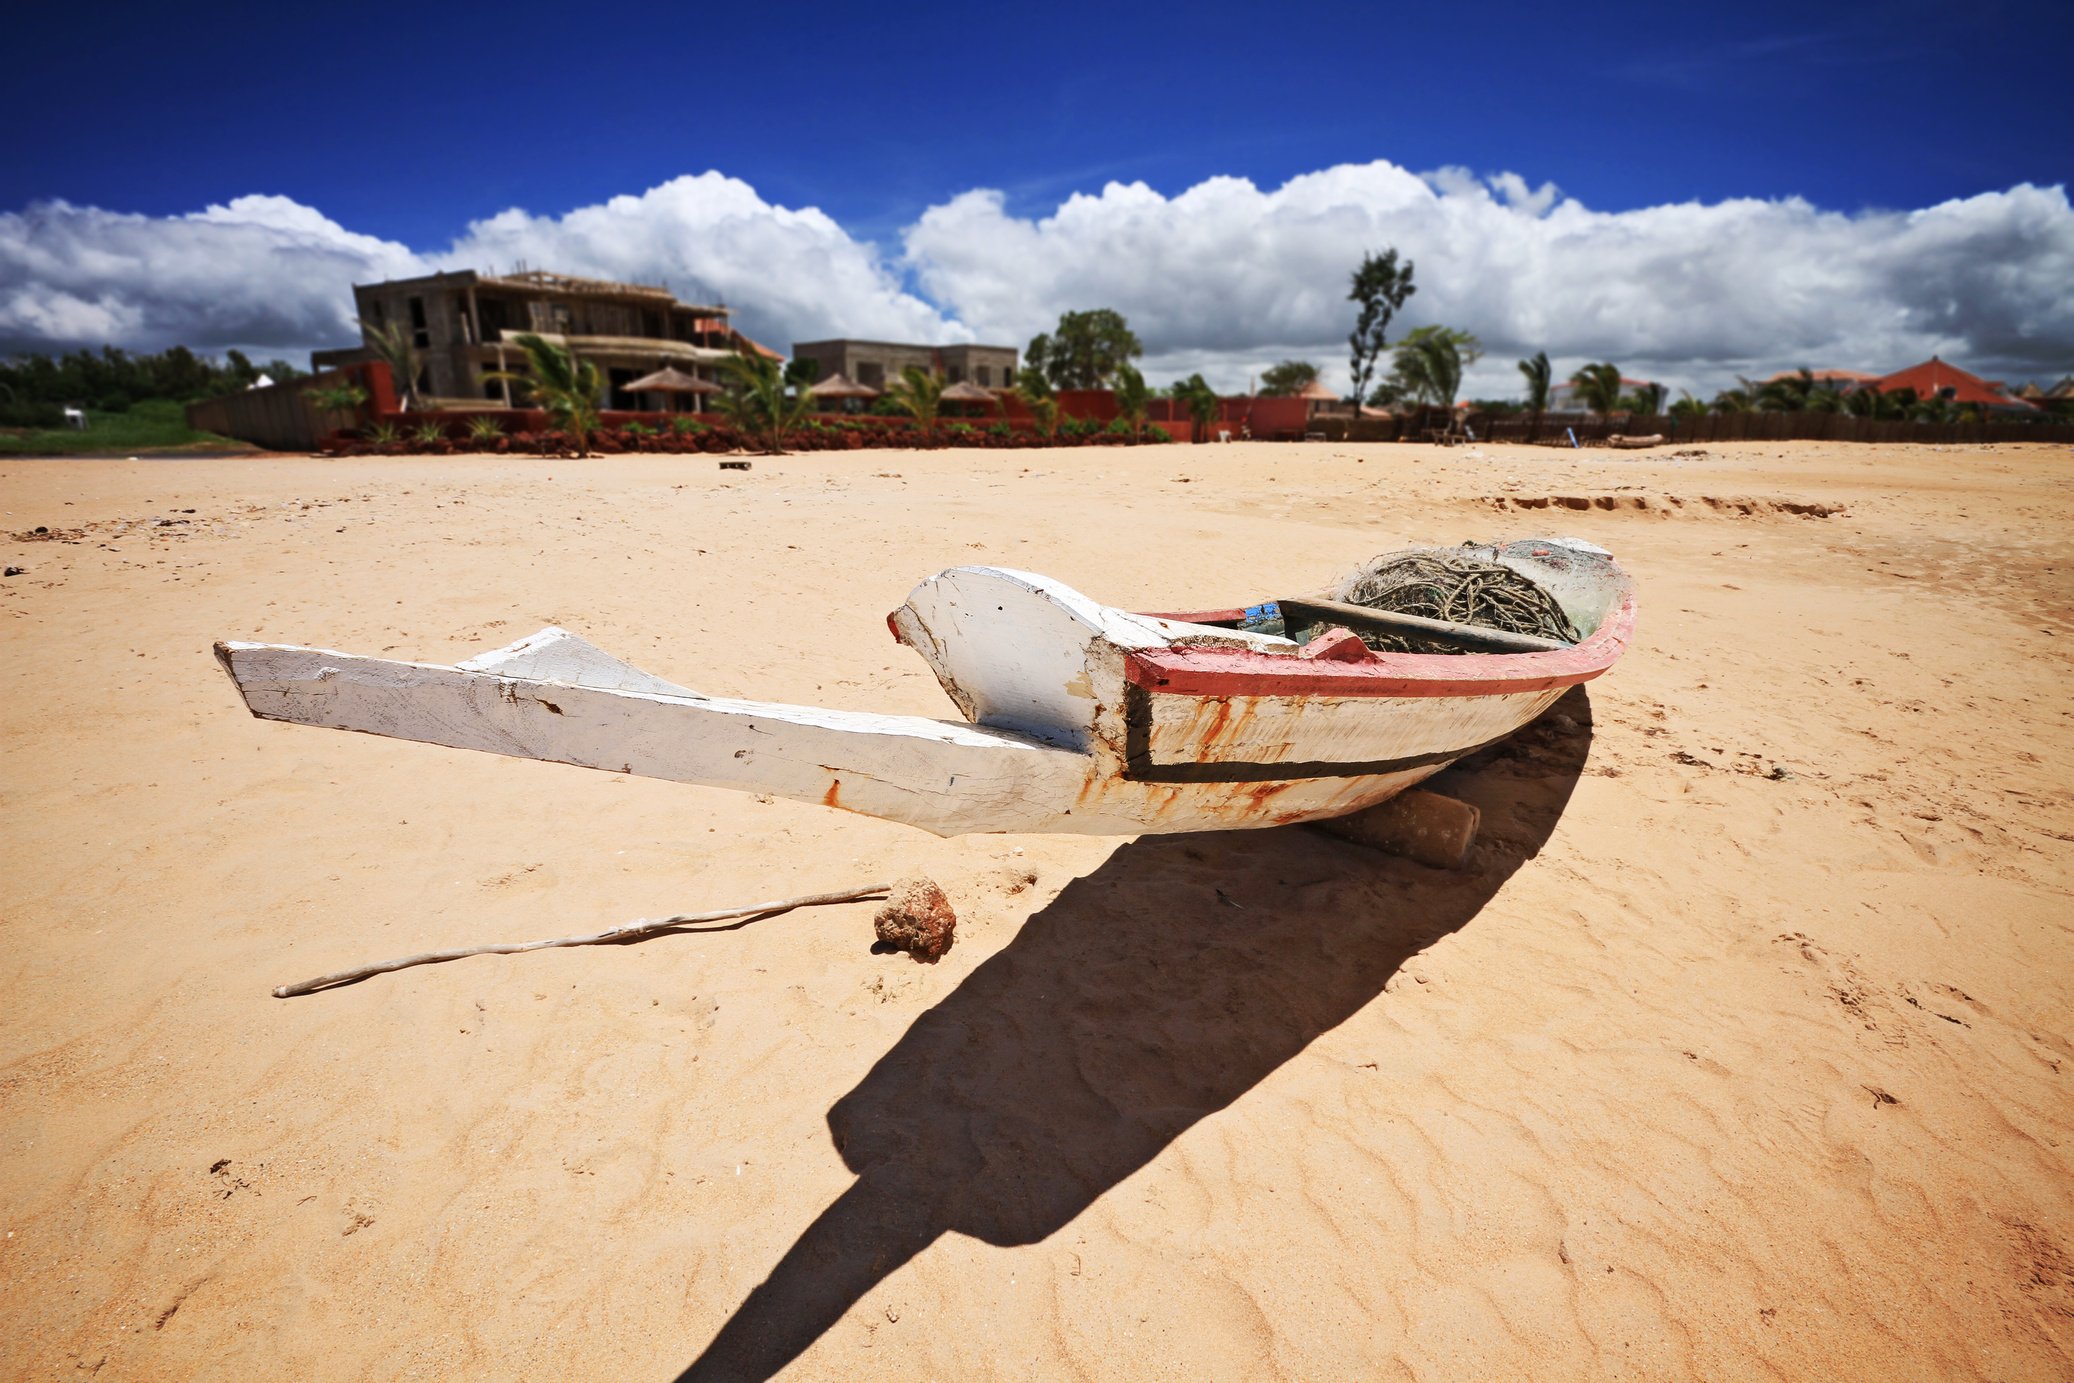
[{"x": 917, "y": 919}]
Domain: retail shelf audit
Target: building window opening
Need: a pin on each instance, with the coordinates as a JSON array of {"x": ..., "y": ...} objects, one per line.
[
  {"x": 419, "y": 332},
  {"x": 621, "y": 399}
]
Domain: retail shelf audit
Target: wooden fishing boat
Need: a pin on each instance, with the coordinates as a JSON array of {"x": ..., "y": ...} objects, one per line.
[{"x": 1078, "y": 717}]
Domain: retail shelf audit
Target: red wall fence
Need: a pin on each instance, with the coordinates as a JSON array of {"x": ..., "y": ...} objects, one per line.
[{"x": 282, "y": 418}]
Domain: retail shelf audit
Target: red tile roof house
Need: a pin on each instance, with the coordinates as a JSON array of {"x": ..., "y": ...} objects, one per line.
[
  {"x": 1936, "y": 379},
  {"x": 1320, "y": 398}
]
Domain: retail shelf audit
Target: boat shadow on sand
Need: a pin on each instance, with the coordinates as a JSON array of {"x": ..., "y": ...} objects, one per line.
[{"x": 1154, "y": 991}]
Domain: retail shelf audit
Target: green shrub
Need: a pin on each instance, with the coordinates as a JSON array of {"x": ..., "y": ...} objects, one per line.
[
  {"x": 384, "y": 434},
  {"x": 32, "y": 415},
  {"x": 342, "y": 398},
  {"x": 428, "y": 432},
  {"x": 484, "y": 428},
  {"x": 1157, "y": 433},
  {"x": 1118, "y": 428},
  {"x": 1000, "y": 430}
]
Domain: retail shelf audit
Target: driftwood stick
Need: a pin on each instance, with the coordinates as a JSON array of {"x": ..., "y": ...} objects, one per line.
[{"x": 631, "y": 931}]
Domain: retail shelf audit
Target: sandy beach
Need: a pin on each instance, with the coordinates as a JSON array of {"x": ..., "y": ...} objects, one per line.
[{"x": 1741, "y": 1050}]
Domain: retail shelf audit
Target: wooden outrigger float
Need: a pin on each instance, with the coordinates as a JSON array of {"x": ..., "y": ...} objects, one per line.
[{"x": 1079, "y": 718}]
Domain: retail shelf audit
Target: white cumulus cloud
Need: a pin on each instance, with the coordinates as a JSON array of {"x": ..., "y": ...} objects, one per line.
[
  {"x": 268, "y": 273},
  {"x": 1232, "y": 276},
  {"x": 791, "y": 275},
  {"x": 1223, "y": 277},
  {"x": 264, "y": 272}
]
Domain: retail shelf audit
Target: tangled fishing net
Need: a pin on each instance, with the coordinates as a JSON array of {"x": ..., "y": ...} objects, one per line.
[{"x": 1457, "y": 588}]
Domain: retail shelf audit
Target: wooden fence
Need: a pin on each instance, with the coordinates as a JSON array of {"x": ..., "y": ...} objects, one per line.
[{"x": 279, "y": 417}]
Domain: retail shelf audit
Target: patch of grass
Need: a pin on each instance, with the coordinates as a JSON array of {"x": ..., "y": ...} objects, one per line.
[{"x": 153, "y": 425}]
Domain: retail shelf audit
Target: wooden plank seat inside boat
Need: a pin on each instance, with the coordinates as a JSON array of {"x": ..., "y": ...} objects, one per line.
[{"x": 1470, "y": 638}]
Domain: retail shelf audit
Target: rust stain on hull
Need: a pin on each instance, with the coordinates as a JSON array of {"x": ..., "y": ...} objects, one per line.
[{"x": 1227, "y": 724}]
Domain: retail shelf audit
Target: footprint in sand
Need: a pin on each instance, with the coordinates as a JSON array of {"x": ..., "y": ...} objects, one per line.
[{"x": 529, "y": 878}]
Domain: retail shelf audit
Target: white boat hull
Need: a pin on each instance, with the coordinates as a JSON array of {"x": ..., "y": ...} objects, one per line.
[{"x": 1086, "y": 719}]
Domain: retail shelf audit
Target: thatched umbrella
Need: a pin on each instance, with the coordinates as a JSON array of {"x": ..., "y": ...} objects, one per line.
[
  {"x": 669, "y": 380},
  {"x": 964, "y": 391},
  {"x": 841, "y": 391},
  {"x": 841, "y": 386}
]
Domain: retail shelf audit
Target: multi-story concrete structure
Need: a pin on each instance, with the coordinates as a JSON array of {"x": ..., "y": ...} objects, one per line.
[
  {"x": 462, "y": 324},
  {"x": 877, "y": 363}
]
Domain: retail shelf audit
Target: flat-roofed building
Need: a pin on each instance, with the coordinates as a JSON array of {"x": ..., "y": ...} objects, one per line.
[
  {"x": 463, "y": 322},
  {"x": 879, "y": 363}
]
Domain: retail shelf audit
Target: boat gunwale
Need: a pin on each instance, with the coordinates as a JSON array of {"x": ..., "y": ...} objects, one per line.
[{"x": 1200, "y": 671}]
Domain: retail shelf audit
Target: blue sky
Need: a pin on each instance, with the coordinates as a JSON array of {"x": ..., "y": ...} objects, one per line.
[
  {"x": 406, "y": 124},
  {"x": 404, "y": 121}
]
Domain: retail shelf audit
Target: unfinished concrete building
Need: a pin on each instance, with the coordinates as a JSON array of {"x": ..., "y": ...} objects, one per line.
[
  {"x": 463, "y": 322},
  {"x": 876, "y": 363}
]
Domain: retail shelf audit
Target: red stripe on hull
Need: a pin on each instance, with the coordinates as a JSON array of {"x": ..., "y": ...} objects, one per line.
[{"x": 1227, "y": 672}]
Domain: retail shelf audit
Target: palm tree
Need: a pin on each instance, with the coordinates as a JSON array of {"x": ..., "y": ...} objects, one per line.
[
  {"x": 1935, "y": 409},
  {"x": 1132, "y": 397},
  {"x": 761, "y": 401},
  {"x": 1044, "y": 410},
  {"x": 919, "y": 394},
  {"x": 566, "y": 387},
  {"x": 1649, "y": 398},
  {"x": 1868, "y": 402},
  {"x": 1428, "y": 365},
  {"x": 1688, "y": 406},
  {"x": 1598, "y": 387},
  {"x": 1731, "y": 401},
  {"x": 1537, "y": 376},
  {"x": 1202, "y": 403},
  {"x": 392, "y": 346},
  {"x": 1794, "y": 393}
]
